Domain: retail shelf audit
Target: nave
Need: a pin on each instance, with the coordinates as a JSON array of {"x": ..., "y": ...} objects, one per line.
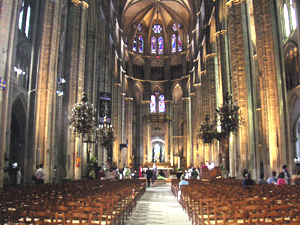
[{"x": 158, "y": 206}]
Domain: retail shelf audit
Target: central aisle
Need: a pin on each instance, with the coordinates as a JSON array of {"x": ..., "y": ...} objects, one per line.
[{"x": 158, "y": 206}]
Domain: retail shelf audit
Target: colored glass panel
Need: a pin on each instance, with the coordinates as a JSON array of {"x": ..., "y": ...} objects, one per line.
[
  {"x": 179, "y": 43},
  {"x": 153, "y": 104},
  {"x": 153, "y": 45},
  {"x": 140, "y": 27},
  {"x": 174, "y": 27},
  {"x": 21, "y": 17},
  {"x": 160, "y": 45},
  {"x": 134, "y": 44},
  {"x": 141, "y": 44},
  {"x": 161, "y": 104},
  {"x": 157, "y": 28},
  {"x": 27, "y": 25},
  {"x": 173, "y": 41}
]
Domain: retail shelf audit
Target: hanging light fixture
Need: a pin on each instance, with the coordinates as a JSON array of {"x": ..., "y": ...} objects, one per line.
[
  {"x": 208, "y": 130},
  {"x": 105, "y": 136},
  {"x": 229, "y": 116},
  {"x": 83, "y": 122}
]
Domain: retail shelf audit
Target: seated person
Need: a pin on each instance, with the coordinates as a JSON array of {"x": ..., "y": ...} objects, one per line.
[
  {"x": 261, "y": 181},
  {"x": 247, "y": 181},
  {"x": 161, "y": 173},
  {"x": 179, "y": 174},
  {"x": 281, "y": 180},
  {"x": 181, "y": 183},
  {"x": 273, "y": 179},
  {"x": 204, "y": 167}
]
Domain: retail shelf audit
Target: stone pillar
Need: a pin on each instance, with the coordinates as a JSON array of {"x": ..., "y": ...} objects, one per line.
[
  {"x": 242, "y": 89},
  {"x": 8, "y": 16},
  {"x": 146, "y": 133},
  {"x": 203, "y": 97},
  {"x": 212, "y": 83},
  {"x": 223, "y": 60},
  {"x": 75, "y": 67},
  {"x": 45, "y": 57},
  {"x": 274, "y": 109},
  {"x": 187, "y": 129},
  {"x": 128, "y": 119}
]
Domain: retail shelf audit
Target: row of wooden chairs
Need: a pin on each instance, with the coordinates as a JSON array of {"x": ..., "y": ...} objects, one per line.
[
  {"x": 224, "y": 201},
  {"x": 115, "y": 199}
]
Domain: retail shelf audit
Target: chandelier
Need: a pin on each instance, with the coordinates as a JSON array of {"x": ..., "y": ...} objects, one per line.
[
  {"x": 82, "y": 121},
  {"x": 208, "y": 130},
  {"x": 229, "y": 121},
  {"x": 105, "y": 134},
  {"x": 229, "y": 116}
]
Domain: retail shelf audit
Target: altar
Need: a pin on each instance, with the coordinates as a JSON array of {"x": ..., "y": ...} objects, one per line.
[{"x": 165, "y": 167}]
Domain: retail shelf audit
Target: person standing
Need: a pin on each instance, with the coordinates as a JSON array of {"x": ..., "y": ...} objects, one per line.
[
  {"x": 148, "y": 176},
  {"x": 19, "y": 176},
  {"x": 141, "y": 171},
  {"x": 287, "y": 176},
  {"x": 40, "y": 175}
]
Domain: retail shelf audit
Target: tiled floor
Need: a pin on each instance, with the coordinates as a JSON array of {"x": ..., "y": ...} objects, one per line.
[{"x": 158, "y": 206}]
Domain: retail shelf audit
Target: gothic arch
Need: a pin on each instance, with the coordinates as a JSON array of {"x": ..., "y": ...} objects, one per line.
[
  {"x": 157, "y": 63},
  {"x": 291, "y": 65},
  {"x": 138, "y": 93},
  {"x": 157, "y": 88},
  {"x": 17, "y": 136},
  {"x": 176, "y": 93},
  {"x": 175, "y": 61},
  {"x": 138, "y": 61}
]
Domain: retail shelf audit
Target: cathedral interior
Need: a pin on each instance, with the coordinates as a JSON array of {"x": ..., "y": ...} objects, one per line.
[{"x": 153, "y": 70}]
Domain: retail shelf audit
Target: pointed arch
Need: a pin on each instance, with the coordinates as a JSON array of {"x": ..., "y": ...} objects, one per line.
[
  {"x": 157, "y": 88},
  {"x": 138, "y": 61},
  {"x": 176, "y": 61},
  {"x": 177, "y": 93},
  {"x": 138, "y": 93}
]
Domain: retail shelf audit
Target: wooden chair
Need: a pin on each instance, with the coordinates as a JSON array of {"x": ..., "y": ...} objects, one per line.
[
  {"x": 219, "y": 212},
  {"x": 39, "y": 217},
  {"x": 77, "y": 218},
  {"x": 235, "y": 218}
]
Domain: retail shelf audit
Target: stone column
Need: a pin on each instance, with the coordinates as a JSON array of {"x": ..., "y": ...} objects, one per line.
[
  {"x": 274, "y": 109},
  {"x": 242, "y": 88},
  {"x": 212, "y": 83},
  {"x": 75, "y": 67},
  {"x": 128, "y": 119},
  {"x": 8, "y": 16},
  {"x": 187, "y": 129},
  {"x": 45, "y": 56}
]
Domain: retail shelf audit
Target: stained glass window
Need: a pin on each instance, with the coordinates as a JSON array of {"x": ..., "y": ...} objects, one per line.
[
  {"x": 173, "y": 41},
  {"x": 134, "y": 44},
  {"x": 157, "y": 28},
  {"x": 140, "y": 27},
  {"x": 27, "y": 25},
  {"x": 21, "y": 17},
  {"x": 287, "y": 22},
  {"x": 141, "y": 44},
  {"x": 162, "y": 105},
  {"x": 153, "y": 104},
  {"x": 174, "y": 27},
  {"x": 179, "y": 43},
  {"x": 160, "y": 45},
  {"x": 153, "y": 45}
]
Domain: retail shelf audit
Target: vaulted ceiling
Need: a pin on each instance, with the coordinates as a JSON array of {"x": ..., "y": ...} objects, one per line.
[{"x": 136, "y": 11}]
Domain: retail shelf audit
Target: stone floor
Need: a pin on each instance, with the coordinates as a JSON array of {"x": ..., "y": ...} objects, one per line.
[{"x": 158, "y": 206}]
